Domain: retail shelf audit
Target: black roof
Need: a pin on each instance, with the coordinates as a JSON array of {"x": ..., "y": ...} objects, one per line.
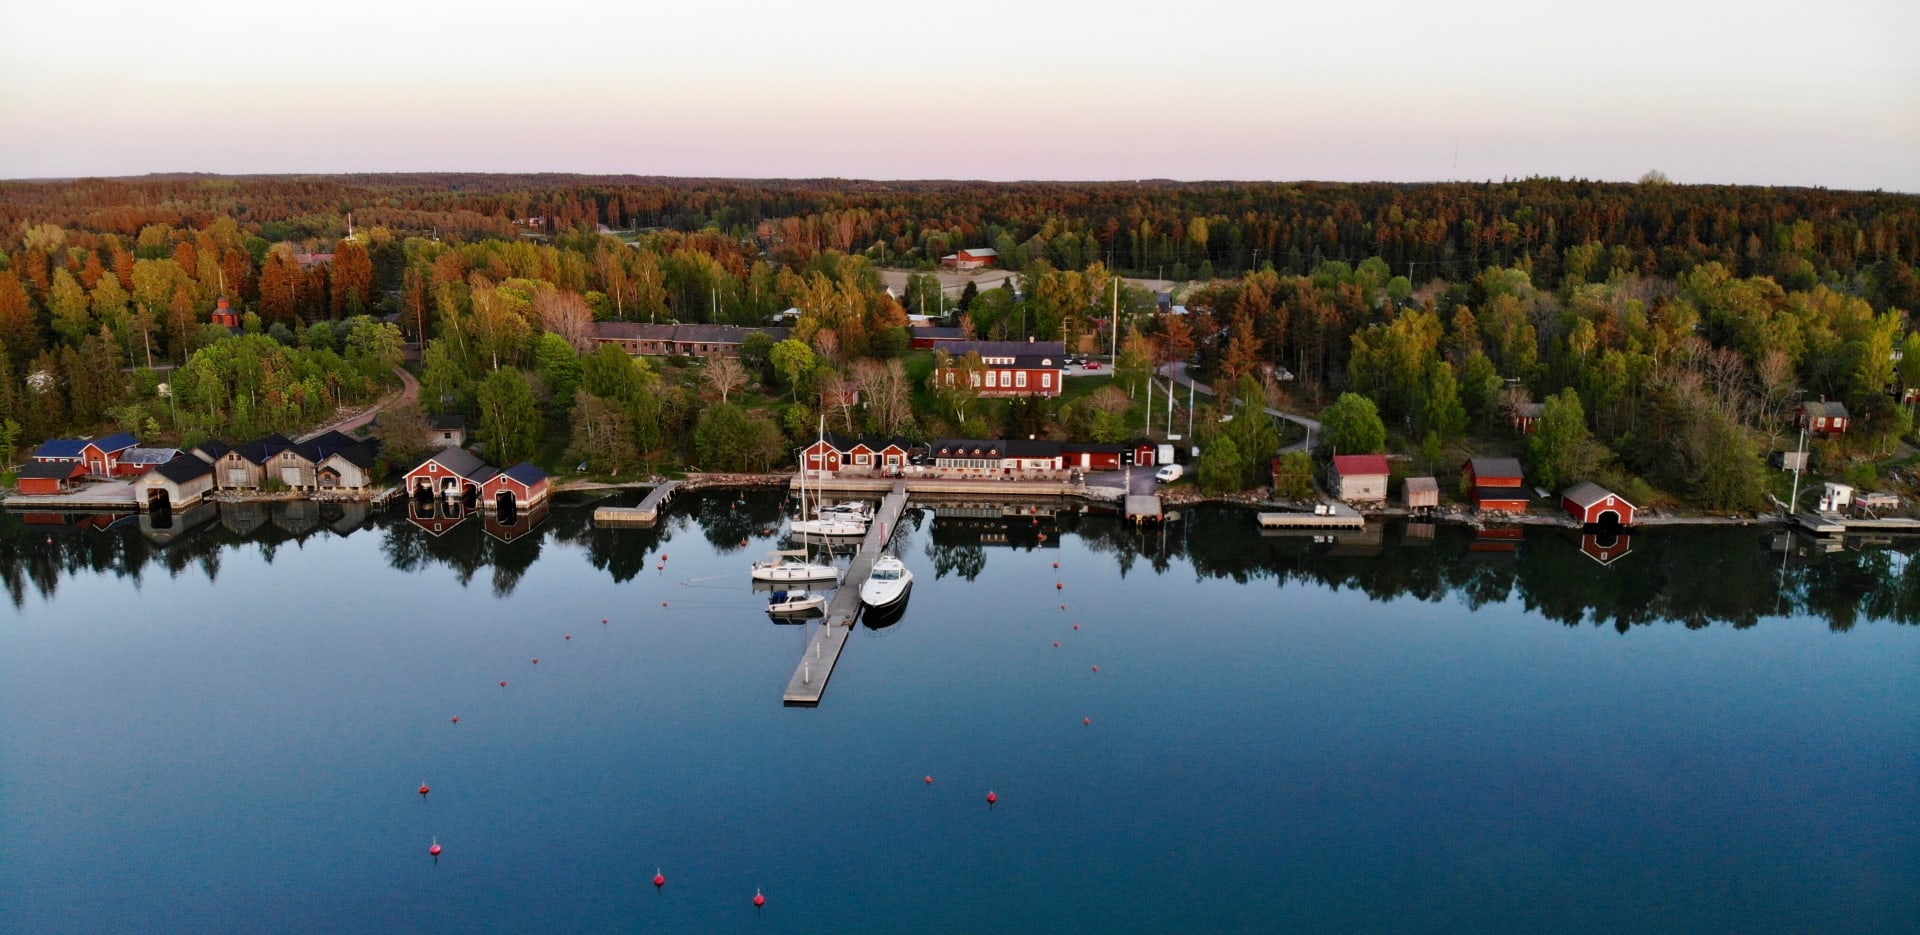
[
  {"x": 361, "y": 455},
  {"x": 320, "y": 447},
  {"x": 184, "y": 468},
  {"x": 445, "y": 421},
  {"x": 1032, "y": 448},
  {"x": 261, "y": 449},
  {"x": 42, "y": 470},
  {"x": 212, "y": 449},
  {"x": 526, "y": 473}
]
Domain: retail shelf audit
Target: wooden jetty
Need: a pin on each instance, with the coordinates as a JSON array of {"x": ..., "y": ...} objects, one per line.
[
  {"x": 646, "y": 514},
  {"x": 1330, "y": 516},
  {"x": 823, "y": 648},
  {"x": 1832, "y": 524}
]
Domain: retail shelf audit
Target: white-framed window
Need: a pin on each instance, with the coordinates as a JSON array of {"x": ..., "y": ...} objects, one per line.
[
  {"x": 993, "y": 379},
  {"x": 976, "y": 380},
  {"x": 1046, "y": 380},
  {"x": 861, "y": 459},
  {"x": 1020, "y": 379}
]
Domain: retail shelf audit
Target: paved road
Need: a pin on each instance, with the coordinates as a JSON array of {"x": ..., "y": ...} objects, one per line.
[
  {"x": 409, "y": 392},
  {"x": 1177, "y": 372}
]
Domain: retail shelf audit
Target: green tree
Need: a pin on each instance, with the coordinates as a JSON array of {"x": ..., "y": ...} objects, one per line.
[
  {"x": 559, "y": 365},
  {"x": 510, "y": 419},
  {"x": 1441, "y": 411},
  {"x": 405, "y": 434},
  {"x": 726, "y": 438},
  {"x": 68, "y": 303},
  {"x": 793, "y": 361},
  {"x": 1220, "y": 468},
  {"x": 1561, "y": 448},
  {"x": 1352, "y": 426},
  {"x": 602, "y": 434},
  {"x": 1293, "y": 478}
]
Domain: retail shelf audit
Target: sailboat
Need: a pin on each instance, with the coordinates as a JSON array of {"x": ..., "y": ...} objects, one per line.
[
  {"x": 841, "y": 520},
  {"x": 887, "y": 585},
  {"x": 790, "y": 566}
]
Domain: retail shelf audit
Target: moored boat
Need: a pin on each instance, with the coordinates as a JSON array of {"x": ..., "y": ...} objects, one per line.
[
  {"x": 795, "y": 603},
  {"x": 887, "y": 584},
  {"x": 793, "y": 565}
]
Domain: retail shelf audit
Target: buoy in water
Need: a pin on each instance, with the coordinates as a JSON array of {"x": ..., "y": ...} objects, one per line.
[
  {"x": 569, "y": 636},
  {"x": 991, "y": 798},
  {"x": 536, "y": 660},
  {"x": 456, "y": 719},
  {"x": 663, "y": 603},
  {"x": 759, "y": 898},
  {"x": 603, "y": 621},
  {"x": 1056, "y": 564},
  {"x": 1056, "y": 644},
  {"x": 1086, "y": 720},
  {"x": 435, "y": 850},
  {"x": 929, "y": 780},
  {"x": 1096, "y": 668},
  {"x": 659, "y": 879},
  {"x": 1076, "y": 626},
  {"x": 503, "y": 683},
  {"x": 1059, "y": 585},
  {"x": 424, "y": 790},
  {"x": 664, "y": 556}
]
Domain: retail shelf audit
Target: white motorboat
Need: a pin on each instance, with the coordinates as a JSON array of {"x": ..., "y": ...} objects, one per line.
[
  {"x": 795, "y": 603},
  {"x": 793, "y": 565},
  {"x": 888, "y": 583},
  {"x": 850, "y": 508}
]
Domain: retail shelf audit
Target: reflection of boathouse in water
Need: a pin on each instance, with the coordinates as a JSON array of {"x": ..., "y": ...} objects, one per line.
[
  {"x": 165, "y": 527},
  {"x": 508, "y": 524},
  {"x": 1606, "y": 546},
  {"x": 439, "y": 516}
]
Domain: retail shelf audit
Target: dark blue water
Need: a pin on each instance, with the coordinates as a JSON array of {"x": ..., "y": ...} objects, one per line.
[{"x": 1300, "y": 750}]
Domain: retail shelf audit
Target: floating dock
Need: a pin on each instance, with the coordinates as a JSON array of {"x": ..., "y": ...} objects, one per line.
[
  {"x": 1336, "y": 516},
  {"x": 809, "y": 680},
  {"x": 646, "y": 514},
  {"x": 1144, "y": 508}
]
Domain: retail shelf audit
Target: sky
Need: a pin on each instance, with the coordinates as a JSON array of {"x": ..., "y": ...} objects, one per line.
[{"x": 1756, "y": 92}]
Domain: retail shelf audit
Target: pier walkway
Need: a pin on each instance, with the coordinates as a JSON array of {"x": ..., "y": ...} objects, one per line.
[
  {"x": 646, "y": 514},
  {"x": 809, "y": 680}
]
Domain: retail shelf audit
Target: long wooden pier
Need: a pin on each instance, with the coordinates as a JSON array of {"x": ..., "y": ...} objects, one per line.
[
  {"x": 646, "y": 514},
  {"x": 1338, "y": 516},
  {"x": 809, "y": 680}
]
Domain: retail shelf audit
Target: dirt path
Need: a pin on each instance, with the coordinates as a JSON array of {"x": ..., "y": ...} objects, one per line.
[{"x": 409, "y": 392}]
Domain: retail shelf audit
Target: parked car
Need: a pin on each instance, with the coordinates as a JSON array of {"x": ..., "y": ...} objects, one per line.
[
  {"x": 1169, "y": 473},
  {"x": 1092, "y": 365}
]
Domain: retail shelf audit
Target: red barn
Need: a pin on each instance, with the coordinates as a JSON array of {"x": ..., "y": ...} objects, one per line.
[
  {"x": 452, "y": 472},
  {"x": 976, "y": 258},
  {"x": 1594, "y": 505}
]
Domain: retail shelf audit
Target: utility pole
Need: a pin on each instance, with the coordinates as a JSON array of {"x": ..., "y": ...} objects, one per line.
[{"x": 1113, "y": 358}]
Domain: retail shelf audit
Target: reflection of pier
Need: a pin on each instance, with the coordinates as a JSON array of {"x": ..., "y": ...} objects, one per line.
[
  {"x": 823, "y": 649},
  {"x": 646, "y": 514}
]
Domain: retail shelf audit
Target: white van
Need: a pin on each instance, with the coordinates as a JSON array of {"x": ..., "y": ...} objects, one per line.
[{"x": 1169, "y": 472}]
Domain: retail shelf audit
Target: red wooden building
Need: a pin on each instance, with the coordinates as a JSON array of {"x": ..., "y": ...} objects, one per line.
[
  {"x": 44, "y": 478},
  {"x": 976, "y": 258},
  {"x": 1822, "y": 418},
  {"x": 99, "y": 456},
  {"x": 520, "y": 486},
  {"x": 1594, "y": 505},
  {"x": 1499, "y": 484}
]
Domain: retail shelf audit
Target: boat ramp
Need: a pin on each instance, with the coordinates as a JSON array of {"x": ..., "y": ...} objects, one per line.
[
  {"x": 646, "y": 514},
  {"x": 823, "y": 648}
]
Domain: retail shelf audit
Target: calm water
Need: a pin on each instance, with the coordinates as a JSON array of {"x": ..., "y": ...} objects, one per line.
[{"x": 226, "y": 733}]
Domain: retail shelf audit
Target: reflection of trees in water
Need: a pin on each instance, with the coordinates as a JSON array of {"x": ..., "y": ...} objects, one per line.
[{"x": 1696, "y": 577}]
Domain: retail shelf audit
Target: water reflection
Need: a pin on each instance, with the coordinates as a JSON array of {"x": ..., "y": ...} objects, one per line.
[{"x": 1695, "y": 576}]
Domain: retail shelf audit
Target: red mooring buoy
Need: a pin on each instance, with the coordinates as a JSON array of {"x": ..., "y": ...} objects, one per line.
[
  {"x": 991, "y": 798},
  {"x": 659, "y": 879},
  {"x": 1086, "y": 720},
  {"x": 1056, "y": 564},
  {"x": 664, "y": 556},
  {"x": 1096, "y": 668},
  {"x": 1056, "y": 644},
  {"x": 456, "y": 719},
  {"x": 435, "y": 849},
  {"x": 1076, "y": 626},
  {"x": 569, "y": 636},
  {"x": 759, "y": 898},
  {"x": 536, "y": 660},
  {"x": 503, "y": 683},
  {"x": 603, "y": 621},
  {"x": 1059, "y": 586},
  {"x": 929, "y": 780},
  {"x": 424, "y": 790}
]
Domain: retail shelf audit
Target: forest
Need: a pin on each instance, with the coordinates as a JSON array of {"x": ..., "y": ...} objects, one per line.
[{"x": 1668, "y": 329}]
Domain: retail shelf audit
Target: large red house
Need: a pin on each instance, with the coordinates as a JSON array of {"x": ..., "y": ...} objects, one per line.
[
  {"x": 975, "y": 258},
  {"x": 99, "y": 456},
  {"x": 1007, "y": 368}
]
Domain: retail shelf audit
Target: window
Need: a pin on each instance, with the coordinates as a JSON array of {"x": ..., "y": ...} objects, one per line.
[
  {"x": 993, "y": 379},
  {"x": 860, "y": 459},
  {"x": 1020, "y": 379},
  {"x": 1046, "y": 380},
  {"x": 976, "y": 379}
]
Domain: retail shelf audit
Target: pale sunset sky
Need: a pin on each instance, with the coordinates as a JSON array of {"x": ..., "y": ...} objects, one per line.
[{"x": 1756, "y": 92}]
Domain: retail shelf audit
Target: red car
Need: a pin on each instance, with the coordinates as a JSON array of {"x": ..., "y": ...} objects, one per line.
[{"x": 1092, "y": 365}]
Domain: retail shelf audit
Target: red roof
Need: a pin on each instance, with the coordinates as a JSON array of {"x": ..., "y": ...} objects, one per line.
[{"x": 1357, "y": 465}]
